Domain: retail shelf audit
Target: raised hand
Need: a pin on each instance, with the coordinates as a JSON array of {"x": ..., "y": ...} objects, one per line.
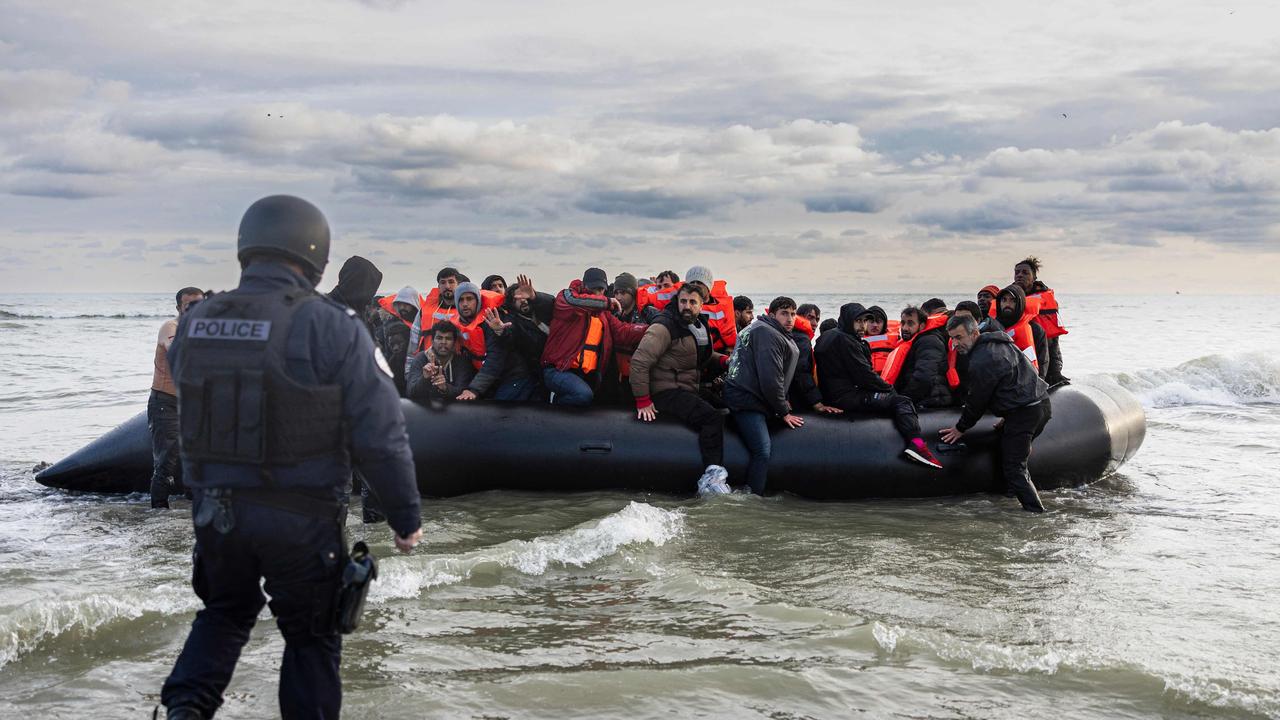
[
  {"x": 523, "y": 281},
  {"x": 494, "y": 321}
]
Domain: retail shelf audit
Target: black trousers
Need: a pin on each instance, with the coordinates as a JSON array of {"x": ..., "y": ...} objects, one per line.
[
  {"x": 1021, "y": 426},
  {"x": 300, "y": 557},
  {"x": 162, "y": 421},
  {"x": 884, "y": 404},
  {"x": 1054, "y": 374},
  {"x": 699, "y": 415}
]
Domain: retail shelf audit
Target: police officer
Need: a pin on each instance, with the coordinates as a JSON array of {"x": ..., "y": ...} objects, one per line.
[{"x": 280, "y": 390}]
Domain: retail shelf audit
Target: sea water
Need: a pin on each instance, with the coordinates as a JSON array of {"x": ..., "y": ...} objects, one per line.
[{"x": 1153, "y": 593}]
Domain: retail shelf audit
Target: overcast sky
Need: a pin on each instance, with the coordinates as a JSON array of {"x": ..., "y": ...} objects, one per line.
[{"x": 820, "y": 146}]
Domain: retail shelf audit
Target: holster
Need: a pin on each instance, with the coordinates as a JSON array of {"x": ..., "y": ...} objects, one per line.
[{"x": 361, "y": 570}]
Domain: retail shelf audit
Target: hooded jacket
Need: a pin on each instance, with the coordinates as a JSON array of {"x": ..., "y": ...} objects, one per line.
[
  {"x": 458, "y": 374},
  {"x": 1000, "y": 379},
  {"x": 668, "y": 357},
  {"x": 761, "y": 368},
  {"x": 570, "y": 319},
  {"x": 923, "y": 377},
  {"x": 803, "y": 392},
  {"x": 1008, "y": 320},
  {"x": 844, "y": 359},
  {"x": 358, "y": 282}
]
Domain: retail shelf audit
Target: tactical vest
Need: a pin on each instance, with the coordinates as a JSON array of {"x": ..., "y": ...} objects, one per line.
[{"x": 236, "y": 402}]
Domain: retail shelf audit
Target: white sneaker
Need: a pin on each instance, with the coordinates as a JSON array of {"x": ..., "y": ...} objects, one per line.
[{"x": 714, "y": 481}]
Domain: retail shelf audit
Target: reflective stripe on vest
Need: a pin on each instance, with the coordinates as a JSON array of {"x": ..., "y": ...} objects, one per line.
[
  {"x": 589, "y": 356},
  {"x": 656, "y": 296}
]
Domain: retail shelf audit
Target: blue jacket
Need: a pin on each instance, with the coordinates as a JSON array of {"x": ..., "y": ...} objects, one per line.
[{"x": 327, "y": 345}]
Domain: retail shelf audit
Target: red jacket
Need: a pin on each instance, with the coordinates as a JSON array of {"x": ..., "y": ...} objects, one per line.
[{"x": 574, "y": 308}]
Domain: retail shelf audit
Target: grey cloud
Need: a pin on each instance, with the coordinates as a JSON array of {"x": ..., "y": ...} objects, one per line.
[
  {"x": 845, "y": 203},
  {"x": 645, "y": 203},
  {"x": 987, "y": 219},
  {"x": 193, "y": 259}
]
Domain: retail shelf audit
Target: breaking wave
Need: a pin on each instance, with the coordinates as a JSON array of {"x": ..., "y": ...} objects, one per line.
[
  {"x": 991, "y": 657},
  {"x": 1212, "y": 380},
  {"x": 635, "y": 524},
  {"x": 40, "y": 621}
]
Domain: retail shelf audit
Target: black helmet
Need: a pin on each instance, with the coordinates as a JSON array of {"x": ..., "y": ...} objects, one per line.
[{"x": 287, "y": 226}]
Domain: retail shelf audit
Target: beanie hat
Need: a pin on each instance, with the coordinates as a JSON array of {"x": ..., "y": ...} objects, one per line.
[
  {"x": 700, "y": 274},
  {"x": 407, "y": 295},
  {"x": 595, "y": 279},
  {"x": 991, "y": 289},
  {"x": 625, "y": 281}
]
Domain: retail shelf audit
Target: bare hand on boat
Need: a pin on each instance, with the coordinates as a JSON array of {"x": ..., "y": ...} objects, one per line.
[
  {"x": 950, "y": 435},
  {"x": 647, "y": 414},
  {"x": 793, "y": 421}
]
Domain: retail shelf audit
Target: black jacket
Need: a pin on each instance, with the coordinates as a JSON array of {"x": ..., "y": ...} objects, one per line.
[
  {"x": 924, "y": 371},
  {"x": 1008, "y": 320},
  {"x": 392, "y": 338},
  {"x": 528, "y": 335},
  {"x": 761, "y": 368},
  {"x": 844, "y": 360},
  {"x": 803, "y": 392},
  {"x": 458, "y": 375},
  {"x": 1000, "y": 379}
]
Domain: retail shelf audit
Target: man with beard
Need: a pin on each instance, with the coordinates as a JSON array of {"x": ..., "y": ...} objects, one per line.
[
  {"x": 1025, "y": 275},
  {"x": 987, "y": 296},
  {"x": 744, "y": 311},
  {"x": 847, "y": 381},
  {"x": 666, "y": 369},
  {"x": 392, "y": 337},
  {"x": 1002, "y": 381},
  {"x": 918, "y": 367},
  {"x": 1018, "y": 321},
  {"x": 510, "y": 353},
  {"x": 436, "y": 306}
]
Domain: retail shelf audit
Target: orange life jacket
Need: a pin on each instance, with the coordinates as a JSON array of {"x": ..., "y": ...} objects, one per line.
[
  {"x": 897, "y": 358},
  {"x": 388, "y": 303},
  {"x": 430, "y": 312},
  {"x": 471, "y": 337},
  {"x": 720, "y": 320},
  {"x": 589, "y": 356},
  {"x": 883, "y": 344},
  {"x": 1047, "y": 318},
  {"x": 658, "y": 297},
  {"x": 1021, "y": 333}
]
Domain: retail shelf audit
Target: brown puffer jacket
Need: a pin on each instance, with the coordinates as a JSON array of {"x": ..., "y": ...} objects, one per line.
[{"x": 667, "y": 358}]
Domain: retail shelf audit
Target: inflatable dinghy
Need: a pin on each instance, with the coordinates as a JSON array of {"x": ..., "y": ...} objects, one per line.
[{"x": 470, "y": 447}]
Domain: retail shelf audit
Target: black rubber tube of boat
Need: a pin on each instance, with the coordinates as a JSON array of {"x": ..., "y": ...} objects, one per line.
[{"x": 470, "y": 447}]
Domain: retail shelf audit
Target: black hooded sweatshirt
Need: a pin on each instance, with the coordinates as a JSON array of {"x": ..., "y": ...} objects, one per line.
[
  {"x": 1000, "y": 379},
  {"x": 358, "y": 282},
  {"x": 923, "y": 377},
  {"x": 1008, "y": 320},
  {"x": 844, "y": 360}
]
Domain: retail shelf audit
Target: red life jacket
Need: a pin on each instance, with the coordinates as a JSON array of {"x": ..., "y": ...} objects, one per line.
[
  {"x": 720, "y": 320},
  {"x": 1047, "y": 318},
  {"x": 883, "y": 344},
  {"x": 953, "y": 375},
  {"x": 806, "y": 327},
  {"x": 658, "y": 297},
  {"x": 897, "y": 358}
]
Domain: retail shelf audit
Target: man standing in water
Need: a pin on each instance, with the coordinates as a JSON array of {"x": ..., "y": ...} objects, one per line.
[
  {"x": 162, "y": 406},
  {"x": 279, "y": 390},
  {"x": 1001, "y": 379}
]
